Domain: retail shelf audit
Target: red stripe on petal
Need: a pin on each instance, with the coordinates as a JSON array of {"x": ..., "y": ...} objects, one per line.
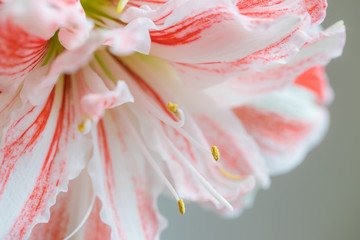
[
  {"x": 49, "y": 177},
  {"x": 20, "y": 52},
  {"x": 147, "y": 88},
  {"x": 16, "y": 148},
  {"x": 315, "y": 80},
  {"x": 148, "y": 216},
  {"x": 110, "y": 180},
  {"x": 265, "y": 126},
  {"x": 190, "y": 29},
  {"x": 95, "y": 229}
]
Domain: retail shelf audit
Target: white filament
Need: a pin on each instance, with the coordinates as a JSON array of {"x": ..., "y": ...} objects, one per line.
[
  {"x": 147, "y": 102},
  {"x": 148, "y": 156},
  {"x": 83, "y": 220},
  {"x": 203, "y": 181}
]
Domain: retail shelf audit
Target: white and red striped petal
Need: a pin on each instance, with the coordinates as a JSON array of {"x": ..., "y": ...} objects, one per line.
[
  {"x": 194, "y": 32},
  {"x": 276, "y": 8},
  {"x": 240, "y": 89},
  {"x": 285, "y": 125},
  {"x": 20, "y": 53},
  {"x": 41, "y": 151},
  {"x": 124, "y": 183},
  {"x": 75, "y": 215}
]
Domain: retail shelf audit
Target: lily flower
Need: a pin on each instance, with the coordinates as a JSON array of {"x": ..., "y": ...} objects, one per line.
[{"x": 105, "y": 105}]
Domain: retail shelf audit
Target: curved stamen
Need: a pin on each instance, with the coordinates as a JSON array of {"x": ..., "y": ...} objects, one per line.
[
  {"x": 83, "y": 220},
  {"x": 148, "y": 156},
  {"x": 203, "y": 181}
]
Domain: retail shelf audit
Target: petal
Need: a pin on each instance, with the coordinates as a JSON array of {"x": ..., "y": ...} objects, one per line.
[
  {"x": 95, "y": 96},
  {"x": 134, "y": 37},
  {"x": 315, "y": 80},
  {"x": 152, "y": 3},
  {"x": 52, "y": 15},
  {"x": 196, "y": 35},
  {"x": 286, "y": 125},
  {"x": 238, "y": 90},
  {"x": 40, "y": 151},
  {"x": 124, "y": 184},
  {"x": 20, "y": 53},
  {"x": 276, "y": 8},
  {"x": 71, "y": 208}
]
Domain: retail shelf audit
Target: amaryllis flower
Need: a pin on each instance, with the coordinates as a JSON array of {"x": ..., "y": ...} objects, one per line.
[{"x": 202, "y": 100}]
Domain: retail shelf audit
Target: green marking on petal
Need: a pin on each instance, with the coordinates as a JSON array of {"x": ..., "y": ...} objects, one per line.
[
  {"x": 55, "y": 48},
  {"x": 104, "y": 68}
]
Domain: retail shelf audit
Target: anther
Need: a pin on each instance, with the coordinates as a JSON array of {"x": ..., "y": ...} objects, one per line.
[
  {"x": 85, "y": 125},
  {"x": 121, "y": 5},
  {"x": 215, "y": 152},
  {"x": 172, "y": 107},
  {"x": 181, "y": 206}
]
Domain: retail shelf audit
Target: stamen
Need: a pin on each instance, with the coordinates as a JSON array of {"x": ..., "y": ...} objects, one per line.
[
  {"x": 181, "y": 205},
  {"x": 148, "y": 156},
  {"x": 172, "y": 107},
  {"x": 203, "y": 181},
  {"x": 87, "y": 214},
  {"x": 229, "y": 175},
  {"x": 196, "y": 143},
  {"x": 215, "y": 152},
  {"x": 121, "y": 5},
  {"x": 147, "y": 103},
  {"x": 85, "y": 126}
]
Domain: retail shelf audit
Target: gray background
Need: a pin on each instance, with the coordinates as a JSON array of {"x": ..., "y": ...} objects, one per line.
[{"x": 318, "y": 200}]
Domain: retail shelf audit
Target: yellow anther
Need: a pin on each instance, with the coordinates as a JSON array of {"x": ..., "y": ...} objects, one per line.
[
  {"x": 172, "y": 107},
  {"x": 121, "y": 5},
  {"x": 181, "y": 206},
  {"x": 84, "y": 125},
  {"x": 215, "y": 152},
  {"x": 229, "y": 175}
]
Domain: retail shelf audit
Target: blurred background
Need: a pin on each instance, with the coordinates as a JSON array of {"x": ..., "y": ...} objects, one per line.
[{"x": 319, "y": 200}]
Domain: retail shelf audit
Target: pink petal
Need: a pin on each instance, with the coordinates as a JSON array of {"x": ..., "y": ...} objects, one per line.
[{"x": 40, "y": 151}]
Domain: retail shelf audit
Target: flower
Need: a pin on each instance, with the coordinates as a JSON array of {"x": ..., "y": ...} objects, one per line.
[{"x": 126, "y": 99}]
